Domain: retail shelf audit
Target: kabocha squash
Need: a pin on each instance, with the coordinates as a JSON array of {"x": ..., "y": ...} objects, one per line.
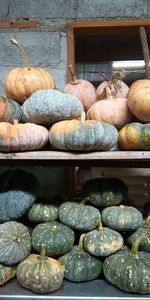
[
  {"x": 22, "y": 137},
  {"x": 135, "y": 136},
  {"x": 102, "y": 241},
  {"x": 15, "y": 242},
  {"x": 129, "y": 270},
  {"x": 18, "y": 191},
  {"x": 79, "y": 215},
  {"x": 79, "y": 265},
  {"x": 40, "y": 213},
  {"x": 122, "y": 218},
  {"x": 9, "y": 110},
  {"x": 40, "y": 274},
  {"x": 6, "y": 273},
  {"x": 82, "y": 89},
  {"x": 105, "y": 191},
  {"x": 21, "y": 83},
  {"x": 83, "y": 135},
  {"x": 50, "y": 106},
  {"x": 142, "y": 231},
  {"x": 57, "y": 237}
]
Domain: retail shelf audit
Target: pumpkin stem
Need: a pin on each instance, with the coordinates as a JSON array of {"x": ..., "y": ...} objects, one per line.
[
  {"x": 135, "y": 246},
  {"x": 42, "y": 250},
  {"x": 83, "y": 116},
  {"x": 74, "y": 79},
  {"x": 108, "y": 92},
  {"x": 80, "y": 245},
  {"x": 15, "y": 122},
  {"x": 84, "y": 200},
  {"x": 99, "y": 224},
  {"x": 24, "y": 56}
]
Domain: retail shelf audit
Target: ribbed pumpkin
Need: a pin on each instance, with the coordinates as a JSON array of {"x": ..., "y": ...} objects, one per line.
[
  {"x": 122, "y": 218},
  {"x": 9, "y": 110},
  {"x": 22, "y": 137},
  {"x": 102, "y": 241},
  {"x": 18, "y": 191},
  {"x": 142, "y": 231},
  {"x": 82, "y": 89},
  {"x": 6, "y": 273},
  {"x": 79, "y": 215},
  {"x": 135, "y": 136},
  {"x": 129, "y": 270},
  {"x": 40, "y": 274},
  {"x": 15, "y": 242},
  {"x": 57, "y": 237},
  {"x": 79, "y": 265},
  {"x": 105, "y": 191},
  {"x": 21, "y": 83},
  {"x": 83, "y": 135},
  {"x": 50, "y": 106},
  {"x": 40, "y": 213}
]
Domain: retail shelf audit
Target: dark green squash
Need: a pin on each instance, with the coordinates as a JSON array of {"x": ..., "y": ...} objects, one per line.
[
  {"x": 57, "y": 237},
  {"x": 6, "y": 273},
  {"x": 79, "y": 215},
  {"x": 79, "y": 265},
  {"x": 10, "y": 110},
  {"x": 105, "y": 191},
  {"x": 142, "y": 231},
  {"x": 41, "y": 212}
]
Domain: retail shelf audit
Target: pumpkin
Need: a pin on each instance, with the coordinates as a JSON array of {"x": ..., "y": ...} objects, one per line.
[
  {"x": 111, "y": 110},
  {"x": 129, "y": 270},
  {"x": 21, "y": 83},
  {"x": 9, "y": 110},
  {"x": 57, "y": 237},
  {"x": 40, "y": 213},
  {"x": 6, "y": 273},
  {"x": 79, "y": 265},
  {"x": 83, "y": 135},
  {"x": 50, "y": 106},
  {"x": 139, "y": 99},
  {"x": 18, "y": 191},
  {"x": 105, "y": 191},
  {"x": 79, "y": 215},
  {"x": 135, "y": 136},
  {"x": 82, "y": 89},
  {"x": 22, "y": 137},
  {"x": 142, "y": 231},
  {"x": 122, "y": 218},
  {"x": 102, "y": 241},
  {"x": 40, "y": 274},
  {"x": 15, "y": 242}
]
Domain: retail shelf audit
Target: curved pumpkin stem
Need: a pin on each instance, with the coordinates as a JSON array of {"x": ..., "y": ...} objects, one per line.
[
  {"x": 80, "y": 245},
  {"x": 84, "y": 200},
  {"x": 135, "y": 246},
  {"x": 74, "y": 79},
  {"x": 24, "y": 56}
]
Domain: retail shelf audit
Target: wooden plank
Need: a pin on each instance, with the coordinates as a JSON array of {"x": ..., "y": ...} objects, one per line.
[{"x": 109, "y": 23}]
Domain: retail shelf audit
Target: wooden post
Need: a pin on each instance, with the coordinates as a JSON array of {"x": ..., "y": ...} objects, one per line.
[{"x": 145, "y": 48}]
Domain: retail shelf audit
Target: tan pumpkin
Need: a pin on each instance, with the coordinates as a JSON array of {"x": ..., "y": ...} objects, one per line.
[
  {"x": 21, "y": 83},
  {"x": 111, "y": 110},
  {"x": 22, "y": 137},
  {"x": 82, "y": 89}
]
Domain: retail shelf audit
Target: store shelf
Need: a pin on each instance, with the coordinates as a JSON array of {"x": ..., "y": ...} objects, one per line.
[{"x": 93, "y": 290}]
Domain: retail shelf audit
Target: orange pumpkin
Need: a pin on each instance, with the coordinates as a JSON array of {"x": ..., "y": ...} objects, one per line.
[{"x": 21, "y": 83}]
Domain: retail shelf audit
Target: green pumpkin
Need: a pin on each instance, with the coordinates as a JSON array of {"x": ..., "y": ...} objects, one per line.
[
  {"x": 79, "y": 215},
  {"x": 10, "y": 110},
  {"x": 79, "y": 265},
  {"x": 102, "y": 241},
  {"x": 40, "y": 213},
  {"x": 50, "y": 106},
  {"x": 18, "y": 191},
  {"x": 57, "y": 237},
  {"x": 15, "y": 242},
  {"x": 129, "y": 270},
  {"x": 122, "y": 218},
  {"x": 142, "y": 231},
  {"x": 105, "y": 191},
  {"x": 40, "y": 274},
  {"x": 6, "y": 273}
]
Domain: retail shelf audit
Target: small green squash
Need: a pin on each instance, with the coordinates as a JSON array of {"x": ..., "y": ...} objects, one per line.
[
  {"x": 79, "y": 265},
  {"x": 9, "y": 110},
  {"x": 40, "y": 213},
  {"x": 6, "y": 273},
  {"x": 15, "y": 242},
  {"x": 105, "y": 191},
  {"x": 142, "y": 231},
  {"x": 129, "y": 270},
  {"x": 122, "y": 218},
  {"x": 79, "y": 215},
  {"x": 40, "y": 274},
  {"x": 57, "y": 237}
]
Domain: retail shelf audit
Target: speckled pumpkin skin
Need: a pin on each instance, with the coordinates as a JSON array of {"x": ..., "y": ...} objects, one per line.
[
  {"x": 15, "y": 242},
  {"x": 40, "y": 213},
  {"x": 79, "y": 216},
  {"x": 143, "y": 231},
  {"x": 6, "y": 273},
  {"x": 9, "y": 110},
  {"x": 80, "y": 266},
  {"x": 49, "y": 106},
  {"x": 40, "y": 274},
  {"x": 83, "y": 136},
  {"x": 122, "y": 218},
  {"x": 134, "y": 136},
  {"x": 57, "y": 237}
]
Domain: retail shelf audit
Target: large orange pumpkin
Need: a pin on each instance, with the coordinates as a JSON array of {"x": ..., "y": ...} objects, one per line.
[{"x": 21, "y": 83}]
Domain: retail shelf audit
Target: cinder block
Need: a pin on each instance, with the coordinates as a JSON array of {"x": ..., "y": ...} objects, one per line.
[{"x": 3, "y": 9}]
